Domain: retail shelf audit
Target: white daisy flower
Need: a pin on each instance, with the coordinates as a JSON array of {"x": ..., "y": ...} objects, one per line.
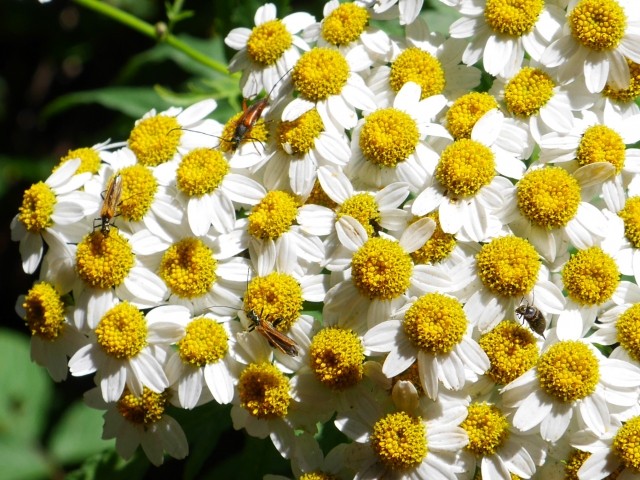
[
  {"x": 122, "y": 348},
  {"x": 572, "y": 380},
  {"x": 595, "y": 40},
  {"x": 269, "y": 51},
  {"x": 55, "y": 205},
  {"x": 622, "y": 239},
  {"x": 432, "y": 330},
  {"x": 500, "y": 34},
  {"x": 406, "y": 10},
  {"x": 141, "y": 420}
]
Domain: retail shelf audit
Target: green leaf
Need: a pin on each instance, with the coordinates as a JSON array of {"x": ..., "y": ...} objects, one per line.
[{"x": 20, "y": 463}]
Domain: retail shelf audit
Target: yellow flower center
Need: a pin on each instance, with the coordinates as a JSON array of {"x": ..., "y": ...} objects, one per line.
[
  {"x": 256, "y": 133},
  {"x": 299, "y": 136},
  {"x": 381, "y": 269},
  {"x": 205, "y": 341},
  {"x": 573, "y": 464},
  {"x": 388, "y": 137},
  {"x": 466, "y": 111},
  {"x": 274, "y": 215},
  {"x": 549, "y": 197},
  {"x": 318, "y": 476},
  {"x": 336, "y": 356},
  {"x": 528, "y": 91},
  {"x": 418, "y": 66},
  {"x": 598, "y": 24},
  {"x": 89, "y": 160},
  {"x": 44, "y": 311},
  {"x": 145, "y": 410},
  {"x": 155, "y": 140},
  {"x": 399, "y": 441},
  {"x": 438, "y": 247},
  {"x": 435, "y": 323},
  {"x": 626, "y": 444},
  {"x": 201, "y": 171},
  {"x": 37, "y": 207},
  {"x": 268, "y": 42},
  {"x": 104, "y": 261},
  {"x": 568, "y": 371},
  {"x": 320, "y": 73},
  {"x": 591, "y": 276},
  {"x": 487, "y": 428},
  {"x": 276, "y": 297},
  {"x": 264, "y": 391},
  {"x": 512, "y": 350},
  {"x": 628, "y": 331},
  {"x": 319, "y": 197},
  {"x": 139, "y": 188},
  {"x": 513, "y": 17},
  {"x": 364, "y": 208},
  {"x": 508, "y": 266},
  {"x": 601, "y": 144},
  {"x": 345, "y": 24},
  {"x": 630, "y": 215},
  {"x": 626, "y": 95},
  {"x": 465, "y": 167},
  {"x": 188, "y": 268},
  {"x": 122, "y": 331}
]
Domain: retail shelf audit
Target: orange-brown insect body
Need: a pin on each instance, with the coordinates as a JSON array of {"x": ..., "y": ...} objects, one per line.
[
  {"x": 110, "y": 203},
  {"x": 275, "y": 338},
  {"x": 533, "y": 317},
  {"x": 247, "y": 121}
]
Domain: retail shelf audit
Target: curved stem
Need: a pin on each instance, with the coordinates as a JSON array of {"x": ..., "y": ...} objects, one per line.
[{"x": 150, "y": 31}]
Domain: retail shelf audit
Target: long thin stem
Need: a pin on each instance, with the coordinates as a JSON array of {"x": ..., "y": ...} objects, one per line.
[{"x": 150, "y": 31}]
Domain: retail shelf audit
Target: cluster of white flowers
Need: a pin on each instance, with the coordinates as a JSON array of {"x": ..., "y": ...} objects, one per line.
[{"x": 353, "y": 247}]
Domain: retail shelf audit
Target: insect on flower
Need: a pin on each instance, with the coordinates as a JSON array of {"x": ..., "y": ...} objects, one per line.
[
  {"x": 110, "y": 204},
  {"x": 533, "y": 317},
  {"x": 275, "y": 338}
]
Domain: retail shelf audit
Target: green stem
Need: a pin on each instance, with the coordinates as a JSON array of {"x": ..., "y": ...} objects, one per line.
[{"x": 149, "y": 30}]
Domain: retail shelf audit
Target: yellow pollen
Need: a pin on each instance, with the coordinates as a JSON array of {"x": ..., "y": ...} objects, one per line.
[
  {"x": 601, "y": 144},
  {"x": 268, "y": 42},
  {"x": 89, "y": 160},
  {"x": 44, "y": 311},
  {"x": 188, "y": 268},
  {"x": 513, "y": 17},
  {"x": 345, "y": 24},
  {"x": 145, "y": 410},
  {"x": 388, "y": 137},
  {"x": 508, "y": 266},
  {"x": 205, "y": 341},
  {"x": 155, "y": 140},
  {"x": 381, "y": 269},
  {"x": 399, "y": 441},
  {"x": 274, "y": 215},
  {"x": 549, "y": 197},
  {"x": 139, "y": 188},
  {"x": 104, "y": 261},
  {"x": 626, "y": 95},
  {"x": 528, "y": 91},
  {"x": 628, "y": 331},
  {"x": 317, "y": 476},
  {"x": 276, "y": 297},
  {"x": 573, "y": 463},
  {"x": 590, "y": 276},
  {"x": 320, "y": 73},
  {"x": 512, "y": 350},
  {"x": 37, "y": 207},
  {"x": 487, "y": 428},
  {"x": 122, "y": 331},
  {"x": 630, "y": 215},
  {"x": 626, "y": 444},
  {"x": 466, "y": 111},
  {"x": 435, "y": 323},
  {"x": 364, "y": 208},
  {"x": 598, "y": 24},
  {"x": 299, "y": 136},
  {"x": 201, "y": 171},
  {"x": 319, "y": 197},
  {"x": 568, "y": 371},
  {"x": 418, "y": 66},
  {"x": 256, "y": 133},
  {"x": 465, "y": 167},
  {"x": 264, "y": 391},
  {"x": 438, "y": 247},
  {"x": 336, "y": 357}
]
